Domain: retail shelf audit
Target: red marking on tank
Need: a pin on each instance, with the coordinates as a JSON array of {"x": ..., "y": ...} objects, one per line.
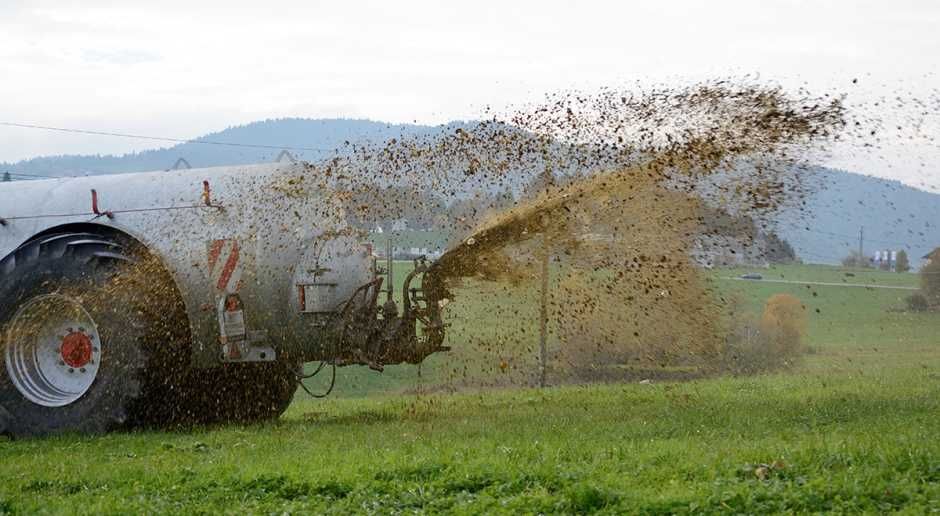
[
  {"x": 229, "y": 267},
  {"x": 215, "y": 249},
  {"x": 76, "y": 349}
]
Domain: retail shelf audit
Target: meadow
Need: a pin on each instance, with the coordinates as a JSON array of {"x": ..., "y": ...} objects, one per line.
[{"x": 853, "y": 427}]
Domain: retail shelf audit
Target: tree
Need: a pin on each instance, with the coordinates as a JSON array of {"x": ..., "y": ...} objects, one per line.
[
  {"x": 901, "y": 263},
  {"x": 779, "y": 250},
  {"x": 6, "y": 177},
  {"x": 854, "y": 259},
  {"x": 916, "y": 302},
  {"x": 930, "y": 279}
]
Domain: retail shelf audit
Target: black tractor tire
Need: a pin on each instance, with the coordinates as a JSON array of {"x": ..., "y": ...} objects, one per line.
[
  {"x": 146, "y": 379},
  {"x": 82, "y": 268}
]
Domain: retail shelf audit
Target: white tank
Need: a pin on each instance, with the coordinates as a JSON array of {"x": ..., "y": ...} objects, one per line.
[
  {"x": 272, "y": 233},
  {"x": 258, "y": 272}
]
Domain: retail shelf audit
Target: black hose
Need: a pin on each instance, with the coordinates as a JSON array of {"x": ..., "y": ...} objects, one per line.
[
  {"x": 302, "y": 377},
  {"x": 329, "y": 390},
  {"x": 339, "y": 315},
  {"x": 311, "y": 375}
]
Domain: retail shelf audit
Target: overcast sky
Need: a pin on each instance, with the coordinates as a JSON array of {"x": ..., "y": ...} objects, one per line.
[{"x": 181, "y": 69}]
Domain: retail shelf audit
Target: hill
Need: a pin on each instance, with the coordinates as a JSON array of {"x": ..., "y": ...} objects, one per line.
[
  {"x": 894, "y": 216},
  {"x": 322, "y": 136}
]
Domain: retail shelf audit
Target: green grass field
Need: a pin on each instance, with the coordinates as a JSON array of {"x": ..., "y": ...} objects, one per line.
[{"x": 854, "y": 428}]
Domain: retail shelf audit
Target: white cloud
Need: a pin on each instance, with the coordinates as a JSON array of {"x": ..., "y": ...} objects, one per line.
[{"x": 120, "y": 57}]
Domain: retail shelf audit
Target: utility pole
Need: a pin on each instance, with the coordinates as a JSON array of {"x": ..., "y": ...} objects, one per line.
[
  {"x": 549, "y": 178},
  {"x": 861, "y": 248},
  {"x": 543, "y": 335}
]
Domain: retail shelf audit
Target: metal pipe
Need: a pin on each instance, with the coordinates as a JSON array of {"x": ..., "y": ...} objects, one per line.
[
  {"x": 94, "y": 206},
  {"x": 389, "y": 264}
]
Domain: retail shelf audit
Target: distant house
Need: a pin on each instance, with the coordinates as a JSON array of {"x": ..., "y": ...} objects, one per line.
[
  {"x": 885, "y": 260},
  {"x": 929, "y": 257}
]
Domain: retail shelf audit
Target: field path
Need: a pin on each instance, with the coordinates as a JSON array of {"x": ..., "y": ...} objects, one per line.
[{"x": 822, "y": 283}]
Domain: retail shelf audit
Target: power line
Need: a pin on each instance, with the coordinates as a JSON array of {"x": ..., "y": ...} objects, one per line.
[
  {"x": 163, "y": 138},
  {"x": 850, "y": 238},
  {"x": 31, "y": 176}
]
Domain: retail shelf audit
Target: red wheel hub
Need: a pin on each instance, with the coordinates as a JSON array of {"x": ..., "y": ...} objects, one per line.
[{"x": 76, "y": 349}]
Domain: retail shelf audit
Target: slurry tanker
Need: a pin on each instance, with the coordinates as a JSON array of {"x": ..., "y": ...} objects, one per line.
[{"x": 187, "y": 296}]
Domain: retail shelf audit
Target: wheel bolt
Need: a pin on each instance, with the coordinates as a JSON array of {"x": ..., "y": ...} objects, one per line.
[
  {"x": 82, "y": 370},
  {"x": 71, "y": 370}
]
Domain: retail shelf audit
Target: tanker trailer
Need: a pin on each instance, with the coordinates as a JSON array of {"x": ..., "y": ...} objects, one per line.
[{"x": 189, "y": 296}]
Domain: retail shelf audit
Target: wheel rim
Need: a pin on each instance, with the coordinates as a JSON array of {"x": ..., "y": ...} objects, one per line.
[{"x": 53, "y": 350}]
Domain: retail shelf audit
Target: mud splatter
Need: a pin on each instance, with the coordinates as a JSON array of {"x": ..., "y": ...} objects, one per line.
[{"x": 613, "y": 187}]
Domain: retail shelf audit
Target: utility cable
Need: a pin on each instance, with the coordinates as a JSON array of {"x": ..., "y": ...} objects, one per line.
[{"x": 162, "y": 138}]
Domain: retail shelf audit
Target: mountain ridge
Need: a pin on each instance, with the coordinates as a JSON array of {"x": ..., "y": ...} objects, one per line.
[{"x": 233, "y": 146}]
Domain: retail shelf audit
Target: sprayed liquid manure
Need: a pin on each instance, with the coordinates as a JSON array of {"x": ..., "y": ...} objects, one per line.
[{"x": 616, "y": 188}]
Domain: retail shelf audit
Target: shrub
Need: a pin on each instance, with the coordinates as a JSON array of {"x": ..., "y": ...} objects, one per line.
[
  {"x": 607, "y": 334},
  {"x": 774, "y": 341},
  {"x": 930, "y": 281},
  {"x": 784, "y": 322},
  {"x": 854, "y": 259},
  {"x": 917, "y": 302},
  {"x": 901, "y": 263}
]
